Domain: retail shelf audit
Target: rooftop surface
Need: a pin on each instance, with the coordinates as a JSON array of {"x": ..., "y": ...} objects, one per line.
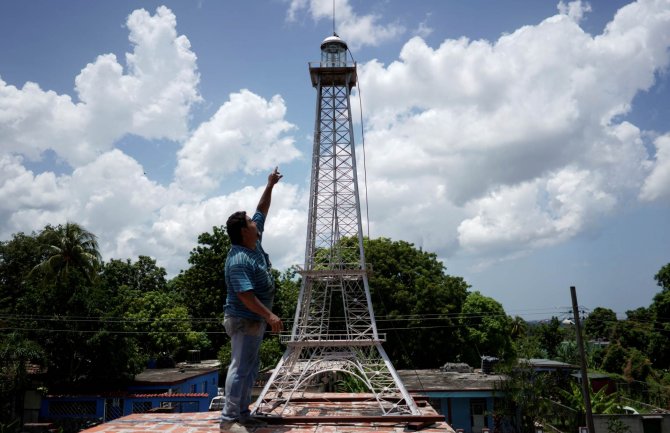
[
  {"x": 182, "y": 372},
  {"x": 418, "y": 381},
  {"x": 208, "y": 422}
]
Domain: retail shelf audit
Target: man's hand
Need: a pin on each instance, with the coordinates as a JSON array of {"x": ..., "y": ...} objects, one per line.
[
  {"x": 266, "y": 198},
  {"x": 274, "y": 177},
  {"x": 252, "y": 303},
  {"x": 275, "y": 323}
]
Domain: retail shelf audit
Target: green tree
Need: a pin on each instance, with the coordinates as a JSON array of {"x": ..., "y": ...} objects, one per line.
[
  {"x": 487, "y": 329},
  {"x": 415, "y": 302},
  {"x": 66, "y": 248},
  {"x": 529, "y": 347},
  {"x": 550, "y": 335},
  {"x": 164, "y": 325},
  {"x": 640, "y": 314},
  {"x": 518, "y": 328},
  {"x": 288, "y": 288},
  {"x": 632, "y": 334},
  {"x": 18, "y": 257},
  {"x": 614, "y": 358},
  {"x": 143, "y": 275},
  {"x": 62, "y": 306},
  {"x": 524, "y": 396},
  {"x": 15, "y": 353},
  {"x": 659, "y": 344},
  {"x": 638, "y": 366},
  {"x": 59, "y": 295},
  {"x": 568, "y": 352},
  {"x": 600, "y": 323},
  {"x": 203, "y": 285},
  {"x": 662, "y": 277}
]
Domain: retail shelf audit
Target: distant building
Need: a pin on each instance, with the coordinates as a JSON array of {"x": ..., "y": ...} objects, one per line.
[
  {"x": 188, "y": 387},
  {"x": 549, "y": 365},
  {"x": 466, "y": 399}
]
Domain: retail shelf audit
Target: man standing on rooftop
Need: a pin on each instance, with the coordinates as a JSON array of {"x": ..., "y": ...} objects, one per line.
[{"x": 248, "y": 308}]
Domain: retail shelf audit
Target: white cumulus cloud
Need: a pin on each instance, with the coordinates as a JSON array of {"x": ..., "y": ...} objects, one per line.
[
  {"x": 151, "y": 99},
  {"x": 247, "y": 133},
  {"x": 522, "y": 138},
  {"x": 483, "y": 147},
  {"x": 357, "y": 30},
  {"x": 657, "y": 185},
  {"x": 107, "y": 190}
]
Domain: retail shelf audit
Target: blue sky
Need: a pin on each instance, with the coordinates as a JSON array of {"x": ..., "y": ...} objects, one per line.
[{"x": 525, "y": 142}]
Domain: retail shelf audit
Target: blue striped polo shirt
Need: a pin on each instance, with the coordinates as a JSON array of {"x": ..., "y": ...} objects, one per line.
[{"x": 248, "y": 270}]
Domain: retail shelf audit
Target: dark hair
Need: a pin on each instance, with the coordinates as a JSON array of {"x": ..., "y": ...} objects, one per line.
[{"x": 236, "y": 222}]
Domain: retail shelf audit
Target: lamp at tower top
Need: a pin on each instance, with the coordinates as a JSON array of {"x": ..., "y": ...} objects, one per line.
[
  {"x": 333, "y": 69},
  {"x": 333, "y": 51}
]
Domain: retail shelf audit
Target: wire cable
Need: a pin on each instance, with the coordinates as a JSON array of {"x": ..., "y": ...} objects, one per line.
[{"x": 365, "y": 169}]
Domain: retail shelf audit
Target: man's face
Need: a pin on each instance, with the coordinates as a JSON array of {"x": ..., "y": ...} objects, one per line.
[{"x": 250, "y": 232}]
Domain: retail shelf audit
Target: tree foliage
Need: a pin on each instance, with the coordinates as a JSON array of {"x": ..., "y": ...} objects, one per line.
[
  {"x": 551, "y": 336},
  {"x": 525, "y": 396},
  {"x": 67, "y": 248},
  {"x": 659, "y": 339},
  {"x": 416, "y": 303},
  {"x": 487, "y": 329},
  {"x": 203, "y": 285},
  {"x": 602, "y": 402},
  {"x": 165, "y": 325},
  {"x": 662, "y": 277},
  {"x": 16, "y": 353},
  {"x": 600, "y": 323},
  {"x": 52, "y": 295},
  {"x": 89, "y": 323}
]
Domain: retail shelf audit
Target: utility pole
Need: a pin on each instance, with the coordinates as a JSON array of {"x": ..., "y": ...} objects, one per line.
[{"x": 582, "y": 361}]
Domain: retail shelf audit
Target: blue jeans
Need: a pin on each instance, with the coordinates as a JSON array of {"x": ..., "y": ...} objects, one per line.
[{"x": 246, "y": 336}]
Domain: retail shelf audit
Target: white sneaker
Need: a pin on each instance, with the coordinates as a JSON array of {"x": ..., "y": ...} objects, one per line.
[{"x": 232, "y": 427}]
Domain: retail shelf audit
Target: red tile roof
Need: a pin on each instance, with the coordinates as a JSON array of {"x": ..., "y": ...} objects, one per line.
[
  {"x": 123, "y": 394},
  {"x": 173, "y": 395}
]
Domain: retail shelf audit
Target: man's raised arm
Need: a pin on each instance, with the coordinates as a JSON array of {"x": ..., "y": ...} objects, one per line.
[{"x": 266, "y": 198}]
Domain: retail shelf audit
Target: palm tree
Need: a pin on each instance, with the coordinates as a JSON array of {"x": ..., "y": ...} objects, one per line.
[
  {"x": 68, "y": 270},
  {"x": 67, "y": 248},
  {"x": 518, "y": 327}
]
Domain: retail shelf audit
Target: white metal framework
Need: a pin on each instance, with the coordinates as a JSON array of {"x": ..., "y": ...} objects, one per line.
[{"x": 334, "y": 327}]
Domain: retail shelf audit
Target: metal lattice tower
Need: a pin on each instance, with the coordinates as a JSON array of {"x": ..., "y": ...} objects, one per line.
[{"x": 334, "y": 278}]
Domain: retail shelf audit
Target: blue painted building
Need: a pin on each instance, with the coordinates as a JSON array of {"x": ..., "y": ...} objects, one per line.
[
  {"x": 465, "y": 398},
  {"x": 185, "y": 388}
]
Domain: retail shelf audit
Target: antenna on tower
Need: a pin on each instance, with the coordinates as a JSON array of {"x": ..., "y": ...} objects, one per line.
[{"x": 334, "y": 18}]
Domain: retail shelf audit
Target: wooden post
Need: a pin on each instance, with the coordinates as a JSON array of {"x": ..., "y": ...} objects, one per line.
[{"x": 586, "y": 386}]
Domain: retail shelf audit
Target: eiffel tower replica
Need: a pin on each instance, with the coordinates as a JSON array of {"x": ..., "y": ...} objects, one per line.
[{"x": 334, "y": 328}]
